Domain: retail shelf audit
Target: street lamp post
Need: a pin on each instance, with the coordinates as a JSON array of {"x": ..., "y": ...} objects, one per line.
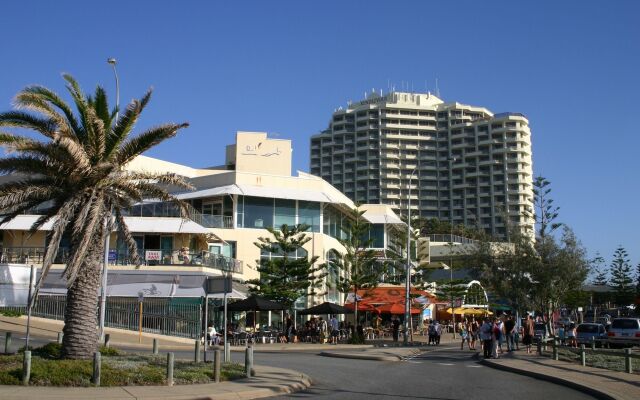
[
  {"x": 453, "y": 314},
  {"x": 103, "y": 289},
  {"x": 407, "y": 303}
]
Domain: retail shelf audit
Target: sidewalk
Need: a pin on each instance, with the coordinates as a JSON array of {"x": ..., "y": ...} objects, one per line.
[
  {"x": 121, "y": 338},
  {"x": 599, "y": 382},
  {"x": 268, "y": 382}
]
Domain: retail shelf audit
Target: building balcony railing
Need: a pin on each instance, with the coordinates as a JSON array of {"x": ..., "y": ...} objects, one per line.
[
  {"x": 149, "y": 257},
  {"x": 29, "y": 255}
]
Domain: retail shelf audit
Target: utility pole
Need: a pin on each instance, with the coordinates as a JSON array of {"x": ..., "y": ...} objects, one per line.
[{"x": 103, "y": 288}]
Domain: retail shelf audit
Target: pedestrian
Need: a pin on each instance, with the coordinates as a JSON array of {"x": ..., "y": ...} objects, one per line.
[
  {"x": 527, "y": 338},
  {"x": 334, "y": 329},
  {"x": 509, "y": 328},
  {"x": 324, "y": 329},
  {"x": 438, "y": 332},
  {"x": 571, "y": 336},
  {"x": 289, "y": 328},
  {"x": 465, "y": 336},
  {"x": 501, "y": 334},
  {"x": 495, "y": 338},
  {"x": 432, "y": 332},
  {"x": 473, "y": 331},
  {"x": 485, "y": 337},
  {"x": 395, "y": 327}
]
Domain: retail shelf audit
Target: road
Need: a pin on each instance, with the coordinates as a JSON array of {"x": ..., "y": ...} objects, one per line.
[{"x": 444, "y": 373}]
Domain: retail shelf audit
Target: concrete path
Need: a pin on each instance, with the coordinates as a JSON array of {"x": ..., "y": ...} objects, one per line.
[
  {"x": 599, "y": 382},
  {"x": 269, "y": 381}
]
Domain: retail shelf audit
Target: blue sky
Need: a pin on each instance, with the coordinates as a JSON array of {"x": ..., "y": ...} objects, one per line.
[{"x": 283, "y": 67}]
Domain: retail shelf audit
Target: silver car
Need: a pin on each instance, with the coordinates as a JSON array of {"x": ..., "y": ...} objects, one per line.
[
  {"x": 586, "y": 331},
  {"x": 624, "y": 331}
]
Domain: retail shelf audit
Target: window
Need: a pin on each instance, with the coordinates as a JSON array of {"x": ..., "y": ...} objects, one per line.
[
  {"x": 285, "y": 213},
  {"x": 258, "y": 212},
  {"x": 309, "y": 214}
]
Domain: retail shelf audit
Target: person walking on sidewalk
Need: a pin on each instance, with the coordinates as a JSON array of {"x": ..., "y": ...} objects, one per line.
[
  {"x": 496, "y": 333},
  {"x": 485, "y": 337},
  {"x": 474, "y": 327},
  {"x": 465, "y": 335},
  {"x": 333, "y": 322},
  {"x": 395, "y": 325},
  {"x": 438, "y": 332},
  {"x": 528, "y": 333},
  {"x": 509, "y": 328}
]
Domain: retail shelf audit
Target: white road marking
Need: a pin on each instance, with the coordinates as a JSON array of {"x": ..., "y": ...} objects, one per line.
[{"x": 447, "y": 364}]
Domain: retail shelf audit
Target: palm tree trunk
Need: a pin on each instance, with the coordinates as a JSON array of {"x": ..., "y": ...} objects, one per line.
[{"x": 80, "y": 338}]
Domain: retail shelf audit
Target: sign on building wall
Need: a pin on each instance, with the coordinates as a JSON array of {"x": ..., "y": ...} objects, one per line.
[
  {"x": 14, "y": 285},
  {"x": 152, "y": 255}
]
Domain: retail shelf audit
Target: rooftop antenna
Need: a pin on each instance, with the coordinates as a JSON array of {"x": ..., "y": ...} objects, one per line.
[{"x": 437, "y": 88}]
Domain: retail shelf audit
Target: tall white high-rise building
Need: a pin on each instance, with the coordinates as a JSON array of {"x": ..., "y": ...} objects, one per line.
[{"x": 472, "y": 166}]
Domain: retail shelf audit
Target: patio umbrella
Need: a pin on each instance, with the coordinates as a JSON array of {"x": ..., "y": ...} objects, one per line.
[
  {"x": 325, "y": 308},
  {"x": 396, "y": 308},
  {"x": 469, "y": 311},
  {"x": 255, "y": 303},
  {"x": 361, "y": 307}
]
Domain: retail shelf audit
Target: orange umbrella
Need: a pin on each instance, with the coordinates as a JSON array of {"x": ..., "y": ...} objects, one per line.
[
  {"x": 361, "y": 306},
  {"x": 396, "y": 308}
]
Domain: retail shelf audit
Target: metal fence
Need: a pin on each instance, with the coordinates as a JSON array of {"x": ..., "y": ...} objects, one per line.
[{"x": 166, "y": 316}]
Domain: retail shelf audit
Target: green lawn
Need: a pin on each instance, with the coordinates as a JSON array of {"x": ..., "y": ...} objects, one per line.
[{"x": 118, "y": 369}]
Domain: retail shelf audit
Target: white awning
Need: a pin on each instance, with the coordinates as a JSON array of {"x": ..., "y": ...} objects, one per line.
[
  {"x": 135, "y": 224},
  {"x": 24, "y": 223},
  {"x": 382, "y": 218},
  {"x": 163, "y": 225},
  {"x": 268, "y": 192},
  {"x": 216, "y": 191}
]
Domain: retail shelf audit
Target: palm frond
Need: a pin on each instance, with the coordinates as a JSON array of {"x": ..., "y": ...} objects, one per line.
[
  {"x": 55, "y": 100},
  {"x": 21, "y": 119},
  {"x": 147, "y": 140},
  {"x": 127, "y": 237},
  {"x": 34, "y": 102}
]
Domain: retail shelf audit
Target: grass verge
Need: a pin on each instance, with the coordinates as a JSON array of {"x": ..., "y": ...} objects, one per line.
[
  {"x": 118, "y": 369},
  {"x": 603, "y": 361}
]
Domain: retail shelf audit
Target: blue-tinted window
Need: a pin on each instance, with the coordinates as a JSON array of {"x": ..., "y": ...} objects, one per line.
[
  {"x": 258, "y": 212},
  {"x": 309, "y": 214},
  {"x": 376, "y": 234},
  {"x": 285, "y": 213}
]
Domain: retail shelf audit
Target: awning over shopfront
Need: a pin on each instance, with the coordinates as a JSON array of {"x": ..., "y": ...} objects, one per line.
[{"x": 163, "y": 225}]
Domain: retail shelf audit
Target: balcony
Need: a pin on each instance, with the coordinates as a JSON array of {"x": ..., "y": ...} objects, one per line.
[{"x": 150, "y": 257}]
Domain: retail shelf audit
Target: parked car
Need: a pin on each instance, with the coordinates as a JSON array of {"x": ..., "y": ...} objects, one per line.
[
  {"x": 586, "y": 331},
  {"x": 624, "y": 331}
]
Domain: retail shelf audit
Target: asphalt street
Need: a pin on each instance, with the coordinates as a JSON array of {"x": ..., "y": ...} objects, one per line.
[{"x": 442, "y": 373}]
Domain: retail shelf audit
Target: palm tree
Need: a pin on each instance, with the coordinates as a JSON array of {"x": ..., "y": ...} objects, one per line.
[{"x": 76, "y": 175}]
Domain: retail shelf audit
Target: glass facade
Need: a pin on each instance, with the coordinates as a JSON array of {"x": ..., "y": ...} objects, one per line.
[
  {"x": 285, "y": 212},
  {"x": 260, "y": 213},
  {"x": 309, "y": 214}
]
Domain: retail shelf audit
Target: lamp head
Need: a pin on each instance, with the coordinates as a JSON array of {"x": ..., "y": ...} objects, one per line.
[{"x": 111, "y": 61}]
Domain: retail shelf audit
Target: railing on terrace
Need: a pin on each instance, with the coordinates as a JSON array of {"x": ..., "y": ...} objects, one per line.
[
  {"x": 179, "y": 257},
  {"x": 165, "y": 316},
  {"x": 35, "y": 255},
  {"x": 161, "y": 209},
  {"x": 29, "y": 255}
]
